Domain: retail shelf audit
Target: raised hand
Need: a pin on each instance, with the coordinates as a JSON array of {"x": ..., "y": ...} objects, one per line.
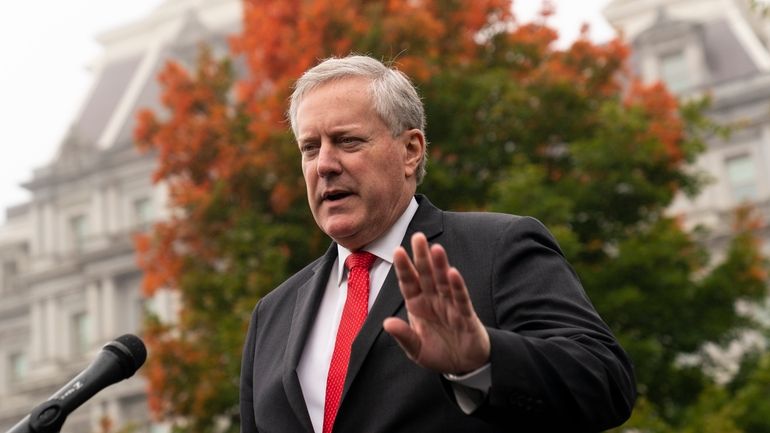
[{"x": 444, "y": 333}]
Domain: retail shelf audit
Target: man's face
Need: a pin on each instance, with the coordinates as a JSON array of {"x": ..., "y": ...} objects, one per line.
[{"x": 359, "y": 177}]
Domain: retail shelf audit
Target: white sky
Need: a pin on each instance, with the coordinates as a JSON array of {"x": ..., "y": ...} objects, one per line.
[{"x": 46, "y": 47}]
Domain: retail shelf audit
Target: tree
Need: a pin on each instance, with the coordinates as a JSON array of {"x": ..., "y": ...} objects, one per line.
[
  {"x": 234, "y": 233},
  {"x": 516, "y": 125}
]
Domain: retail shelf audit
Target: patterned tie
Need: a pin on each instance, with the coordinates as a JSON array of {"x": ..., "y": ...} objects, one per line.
[{"x": 353, "y": 316}]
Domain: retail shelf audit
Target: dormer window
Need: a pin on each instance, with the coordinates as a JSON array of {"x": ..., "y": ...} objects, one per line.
[
  {"x": 674, "y": 71},
  {"x": 673, "y": 51}
]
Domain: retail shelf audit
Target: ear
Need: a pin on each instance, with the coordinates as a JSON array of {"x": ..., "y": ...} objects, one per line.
[{"x": 414, "y": 147}]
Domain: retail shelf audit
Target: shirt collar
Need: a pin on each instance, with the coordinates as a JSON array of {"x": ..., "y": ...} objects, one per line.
[{"x": 384, "y": 246}]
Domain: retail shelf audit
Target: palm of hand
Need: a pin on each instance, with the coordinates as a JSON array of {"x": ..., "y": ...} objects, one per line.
[{"x": 443, "y": 333}]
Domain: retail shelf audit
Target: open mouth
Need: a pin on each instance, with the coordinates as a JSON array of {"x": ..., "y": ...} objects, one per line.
[{"x": 335, "y": 196}]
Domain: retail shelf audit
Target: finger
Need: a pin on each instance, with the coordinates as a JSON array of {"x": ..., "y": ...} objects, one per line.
[
  {"x": 404, "y": 335},
  {"x": 409, "y": 284},
  {"x": 408, "y": 280},
  {"x": 460, "y": 294},
  {"x": 440, "y": 271},
  {"x": 423, "y": 263},
  {"x": 461, "y": 316}
]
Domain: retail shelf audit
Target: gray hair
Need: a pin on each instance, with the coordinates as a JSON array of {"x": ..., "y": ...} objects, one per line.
[{"x": 394, "y": 96}]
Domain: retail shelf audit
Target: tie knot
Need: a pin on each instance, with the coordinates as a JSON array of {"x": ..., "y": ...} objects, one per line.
[{"x": 360, "y": 259}]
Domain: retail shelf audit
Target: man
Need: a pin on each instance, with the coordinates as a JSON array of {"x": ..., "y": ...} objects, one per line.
[{"x": 506, "y": 340}]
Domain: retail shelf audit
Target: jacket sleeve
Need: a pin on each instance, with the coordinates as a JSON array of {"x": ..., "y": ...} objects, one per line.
[{"x": 555, "y": 364}]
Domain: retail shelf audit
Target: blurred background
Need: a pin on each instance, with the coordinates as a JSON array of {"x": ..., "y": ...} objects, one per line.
[{"x": 149, "y": 184}]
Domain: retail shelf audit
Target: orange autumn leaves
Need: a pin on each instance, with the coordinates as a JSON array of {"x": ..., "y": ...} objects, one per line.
[{"x": 281, "y": 39}]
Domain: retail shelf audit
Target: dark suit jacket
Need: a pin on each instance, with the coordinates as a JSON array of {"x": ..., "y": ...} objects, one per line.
[{"x": 555, "y": 365}]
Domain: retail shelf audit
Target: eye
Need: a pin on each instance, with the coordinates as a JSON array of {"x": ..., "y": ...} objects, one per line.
[
  {"x": 309, "y": 148},
  {"x": 349, "y": 141}
]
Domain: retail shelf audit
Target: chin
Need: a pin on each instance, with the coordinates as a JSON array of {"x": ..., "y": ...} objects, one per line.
[{"x": 339, "y": 231}]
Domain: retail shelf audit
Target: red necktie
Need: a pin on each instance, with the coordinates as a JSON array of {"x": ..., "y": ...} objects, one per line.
[{"x": 353, "y": 316}]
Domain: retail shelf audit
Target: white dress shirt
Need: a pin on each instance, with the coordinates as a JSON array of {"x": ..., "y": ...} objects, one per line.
[{"x": 313, "y": 367}]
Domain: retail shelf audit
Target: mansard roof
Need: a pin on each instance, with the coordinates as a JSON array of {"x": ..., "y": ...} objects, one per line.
[
  {"x": 125, "y": 81},
  {"x": 726, "y": 57}
]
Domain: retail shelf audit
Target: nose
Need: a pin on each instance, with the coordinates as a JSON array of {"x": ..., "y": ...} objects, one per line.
[{"x": 328, "y": 161}]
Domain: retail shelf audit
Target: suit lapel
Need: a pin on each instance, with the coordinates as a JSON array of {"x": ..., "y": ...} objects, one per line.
[
  {"x": 427, "y": 220},
  {"x": 309, "y": 297}
]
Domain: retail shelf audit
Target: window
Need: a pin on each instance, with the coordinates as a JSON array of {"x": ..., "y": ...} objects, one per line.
[
  {"x": 81, "y": 333},
  {"x": 143, "y": 212},
  {"x": 18, "y": 366},
  {"x": 129, "y": 317},
  {"x": 674, "y": 72},
  {"x": 78, "y": 231},
  {"x": 137, "y": 313},
  {"x": 10, "y": 269},
  {"x": 741, "y": 174}
]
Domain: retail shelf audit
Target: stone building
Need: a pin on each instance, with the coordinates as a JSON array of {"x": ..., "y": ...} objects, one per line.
[
  {"x": 68, "y": 276},
  {"x": 718, "y": 48}
]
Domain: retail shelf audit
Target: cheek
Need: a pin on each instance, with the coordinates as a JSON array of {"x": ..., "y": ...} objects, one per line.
[
  {"x": 392, "y": 172},
  {"x": 310, "y": 189},
  {"x": 307, "y": 174}
]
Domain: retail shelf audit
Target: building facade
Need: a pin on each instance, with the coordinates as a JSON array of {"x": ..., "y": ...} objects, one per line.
[
  {"x": 69, "y": 282},
  {"x": 718, "y": 48}
]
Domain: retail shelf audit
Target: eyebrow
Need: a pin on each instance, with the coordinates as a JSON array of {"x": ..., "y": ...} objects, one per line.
[{"x": 335, "y": 131}]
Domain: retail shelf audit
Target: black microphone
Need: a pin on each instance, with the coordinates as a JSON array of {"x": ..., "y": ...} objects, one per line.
[{"x": 118, "y": 360}]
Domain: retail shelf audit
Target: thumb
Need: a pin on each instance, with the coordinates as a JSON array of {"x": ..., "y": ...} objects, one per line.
[{"x": 405, "y": 336}]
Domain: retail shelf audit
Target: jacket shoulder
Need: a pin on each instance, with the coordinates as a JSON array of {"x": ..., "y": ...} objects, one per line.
[
  {"x": 493, "y": 221},
  {"x": 490, "y": 227}
]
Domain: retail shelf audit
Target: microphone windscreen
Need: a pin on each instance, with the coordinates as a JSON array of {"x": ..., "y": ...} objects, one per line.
[{"x": 131, "y": 350}]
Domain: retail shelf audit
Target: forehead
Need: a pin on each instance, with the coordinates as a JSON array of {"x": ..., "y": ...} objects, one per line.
[
  {"x": 338, "y": 100},
  {"x": 348, "y": 89}
]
